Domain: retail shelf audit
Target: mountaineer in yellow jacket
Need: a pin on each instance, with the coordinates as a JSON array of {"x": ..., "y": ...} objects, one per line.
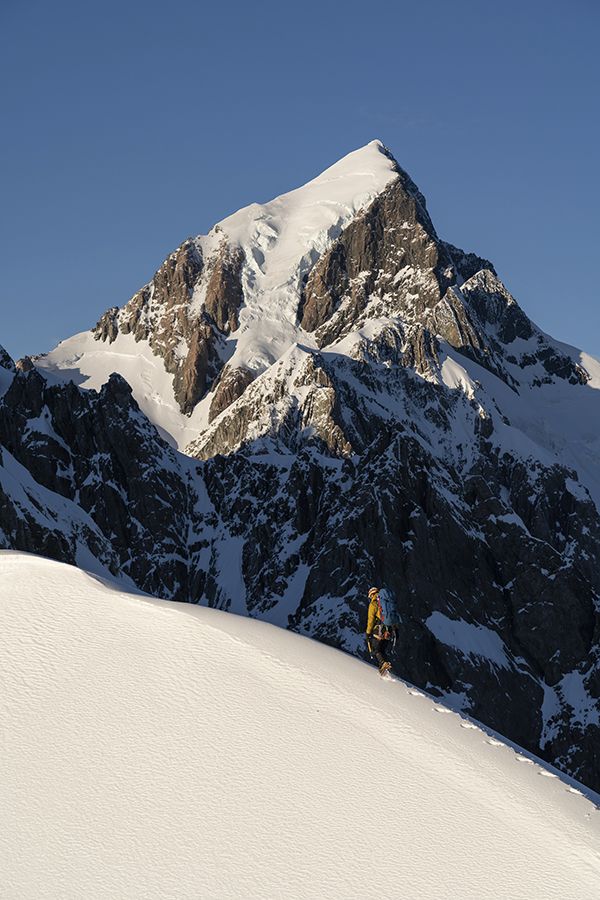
[{"x": 378, "y": 634}]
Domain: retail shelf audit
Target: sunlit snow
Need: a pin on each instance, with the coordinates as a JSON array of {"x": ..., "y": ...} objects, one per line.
[{"x": 164, "y": 750}]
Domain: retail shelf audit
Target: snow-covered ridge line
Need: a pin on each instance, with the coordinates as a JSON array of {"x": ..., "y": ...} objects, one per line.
[{"x": 202, "y": 781}]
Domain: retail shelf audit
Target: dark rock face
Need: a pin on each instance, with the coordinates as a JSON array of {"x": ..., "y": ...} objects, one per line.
[
  {"x": 6, "y": 361},
  {"x": 468, "y": 264},
  {"x": 100, "y": 479}
]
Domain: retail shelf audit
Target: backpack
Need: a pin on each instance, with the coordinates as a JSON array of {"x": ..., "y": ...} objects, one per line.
[{"x": 388, "y": 611}]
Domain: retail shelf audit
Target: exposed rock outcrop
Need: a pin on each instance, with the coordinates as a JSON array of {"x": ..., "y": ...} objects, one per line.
[
  {"x": 25, "y": 364},
  {"x": 224, "y": 294},
  {"x": 187, "y": 340},
  {"x": 193, "y": 375},
  {"x": 389, "y": 258},
  {"x": 6, "y": 361},
  {"x": 232, "y": 383},
  {"x": 99, "y": 482}
]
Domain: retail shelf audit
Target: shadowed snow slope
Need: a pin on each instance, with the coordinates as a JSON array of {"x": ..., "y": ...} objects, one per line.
[{"x": 161, "y": 750}]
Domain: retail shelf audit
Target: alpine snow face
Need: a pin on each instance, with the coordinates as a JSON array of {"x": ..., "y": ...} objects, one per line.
[{"x": 355, "y": 402}]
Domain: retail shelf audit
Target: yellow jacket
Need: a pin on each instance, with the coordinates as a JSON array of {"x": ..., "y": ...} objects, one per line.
[{"x": 373, "y": 620}]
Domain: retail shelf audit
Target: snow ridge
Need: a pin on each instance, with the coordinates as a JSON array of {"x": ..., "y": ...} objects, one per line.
[{"x": 259, "y": 792}]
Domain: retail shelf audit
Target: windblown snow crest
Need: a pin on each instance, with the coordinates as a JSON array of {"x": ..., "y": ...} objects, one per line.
[{"x": 358, "y": 401}]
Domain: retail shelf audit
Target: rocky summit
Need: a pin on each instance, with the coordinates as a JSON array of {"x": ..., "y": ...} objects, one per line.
[{"x": 320, "y": 395}]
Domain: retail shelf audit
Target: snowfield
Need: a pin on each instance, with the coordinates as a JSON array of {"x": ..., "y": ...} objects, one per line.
[{"x": 163, "y": 750}]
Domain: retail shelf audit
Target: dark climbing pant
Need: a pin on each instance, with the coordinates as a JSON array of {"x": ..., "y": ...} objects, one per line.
[{"x": 379, "y": 649}]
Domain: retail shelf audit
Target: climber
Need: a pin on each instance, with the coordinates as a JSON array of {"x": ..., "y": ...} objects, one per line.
[{"x": 382, "y": 622}]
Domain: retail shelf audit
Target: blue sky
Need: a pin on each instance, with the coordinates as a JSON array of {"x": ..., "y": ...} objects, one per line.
[{"x": 129, "y": 126}]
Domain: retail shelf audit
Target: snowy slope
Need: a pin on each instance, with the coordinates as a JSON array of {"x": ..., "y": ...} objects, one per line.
[
  {"x": 168, "y": 751},
  {"x": 89, "y": 364}
]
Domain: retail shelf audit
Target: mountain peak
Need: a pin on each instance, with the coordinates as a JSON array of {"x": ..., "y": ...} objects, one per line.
[
  {"x": 381, "y": 148},
  {"x": 372, "y": 159},
  {"x": 329, "y": 199}
]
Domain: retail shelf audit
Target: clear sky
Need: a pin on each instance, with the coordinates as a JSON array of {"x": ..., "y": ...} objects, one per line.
[{"x": 128, "y": 126}]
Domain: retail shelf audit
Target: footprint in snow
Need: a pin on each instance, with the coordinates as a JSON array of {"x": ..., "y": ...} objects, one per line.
[
  {"x": 416, "y": 693},
  {"x": 467, "y": 725},
  {"x": 524, "y": 759},
  {"x": 546, "y": 774},
  {"x": 442, "y": 709},
  {"x": 573, "y": 790},
  {"x": 494, "y": 742}
]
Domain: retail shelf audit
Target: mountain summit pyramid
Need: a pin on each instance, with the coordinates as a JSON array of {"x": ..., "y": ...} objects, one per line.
[
  {"x": 231, "y": 296},
  {"x": 353, "y": 248},
  {"x": 319, "y": 395}
]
